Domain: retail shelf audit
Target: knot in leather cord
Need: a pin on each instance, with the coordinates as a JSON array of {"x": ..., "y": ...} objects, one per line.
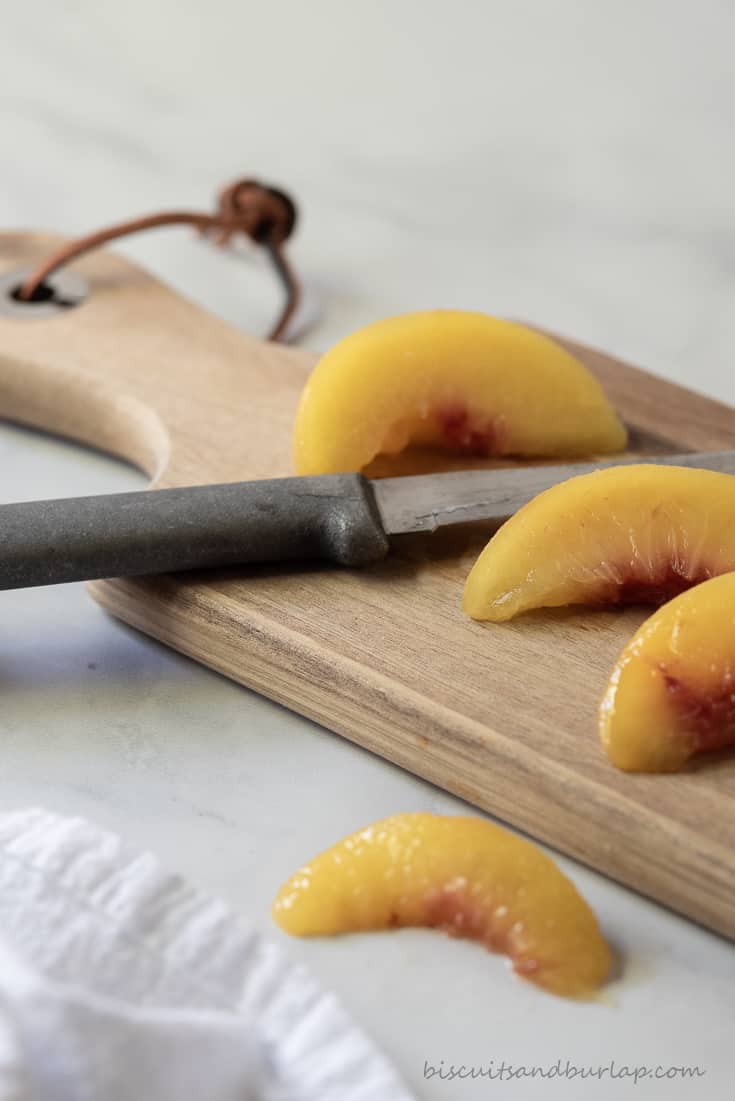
[{"x": 263, "y": 213}]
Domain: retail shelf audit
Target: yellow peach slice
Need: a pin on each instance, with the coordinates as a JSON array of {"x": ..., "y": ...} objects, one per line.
[
  {"x": 463, "y": 382},
  {"x": 672, "y": 691},
  {"x": 629, "y": 534},
  {"x": 465, "y": 876}
]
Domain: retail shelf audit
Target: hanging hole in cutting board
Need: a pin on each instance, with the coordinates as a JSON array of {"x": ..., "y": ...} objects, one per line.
[{"x": 59, "y": 293}]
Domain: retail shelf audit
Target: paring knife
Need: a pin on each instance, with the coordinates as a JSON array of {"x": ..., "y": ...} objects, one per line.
[{"x": 342, "y": 518}]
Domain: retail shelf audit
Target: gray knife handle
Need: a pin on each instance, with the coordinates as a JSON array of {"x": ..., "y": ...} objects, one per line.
[{"x": 331, "y": 517}]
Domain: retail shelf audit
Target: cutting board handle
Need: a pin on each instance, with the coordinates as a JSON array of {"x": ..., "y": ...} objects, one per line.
[
  {"x": 67, "y": 403},
  {"x": 136, "y": 370}
]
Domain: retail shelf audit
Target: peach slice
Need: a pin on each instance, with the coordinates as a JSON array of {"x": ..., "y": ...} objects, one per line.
[
  {"x": 672, "y": 691},
  {"x": 462, "y": 382},
  {"x": 465, "y": 876},
  {"x": 629, "y": 534}
]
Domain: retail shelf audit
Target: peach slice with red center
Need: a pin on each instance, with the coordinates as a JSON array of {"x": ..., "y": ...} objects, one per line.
[
  {"x": 462, "y": 382},
  {"x": 628, "y": 534},
  {"x": 672, "y": 690},
  {"x": 465, "y": 876}
]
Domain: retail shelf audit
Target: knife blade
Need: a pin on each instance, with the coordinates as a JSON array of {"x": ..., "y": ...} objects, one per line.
[
  {"x": 342, "y": 518},
  {"x": 426, "y": 502}
]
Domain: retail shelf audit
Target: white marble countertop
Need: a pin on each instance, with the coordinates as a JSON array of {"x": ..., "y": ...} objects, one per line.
[{"x": 564, "y": 162}]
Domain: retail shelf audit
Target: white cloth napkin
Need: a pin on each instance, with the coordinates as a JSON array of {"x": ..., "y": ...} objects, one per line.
[{"x": 121, "y": 982}]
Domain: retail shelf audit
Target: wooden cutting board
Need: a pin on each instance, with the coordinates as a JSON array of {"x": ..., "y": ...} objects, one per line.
[{"x": 501, "y": 715}]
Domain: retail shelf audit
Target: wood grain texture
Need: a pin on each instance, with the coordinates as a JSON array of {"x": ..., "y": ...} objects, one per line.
[{"x": 502, "y": 715}]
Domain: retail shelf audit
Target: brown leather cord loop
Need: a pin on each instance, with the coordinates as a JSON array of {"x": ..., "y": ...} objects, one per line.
[{"x": 265, "y": 215}]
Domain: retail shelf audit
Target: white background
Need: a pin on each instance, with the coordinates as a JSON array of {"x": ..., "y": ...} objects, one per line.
[{"x": 563, "y": 161}]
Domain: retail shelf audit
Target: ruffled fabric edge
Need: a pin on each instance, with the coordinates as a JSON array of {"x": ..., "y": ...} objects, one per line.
[{"x": 106, "y": 928}]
